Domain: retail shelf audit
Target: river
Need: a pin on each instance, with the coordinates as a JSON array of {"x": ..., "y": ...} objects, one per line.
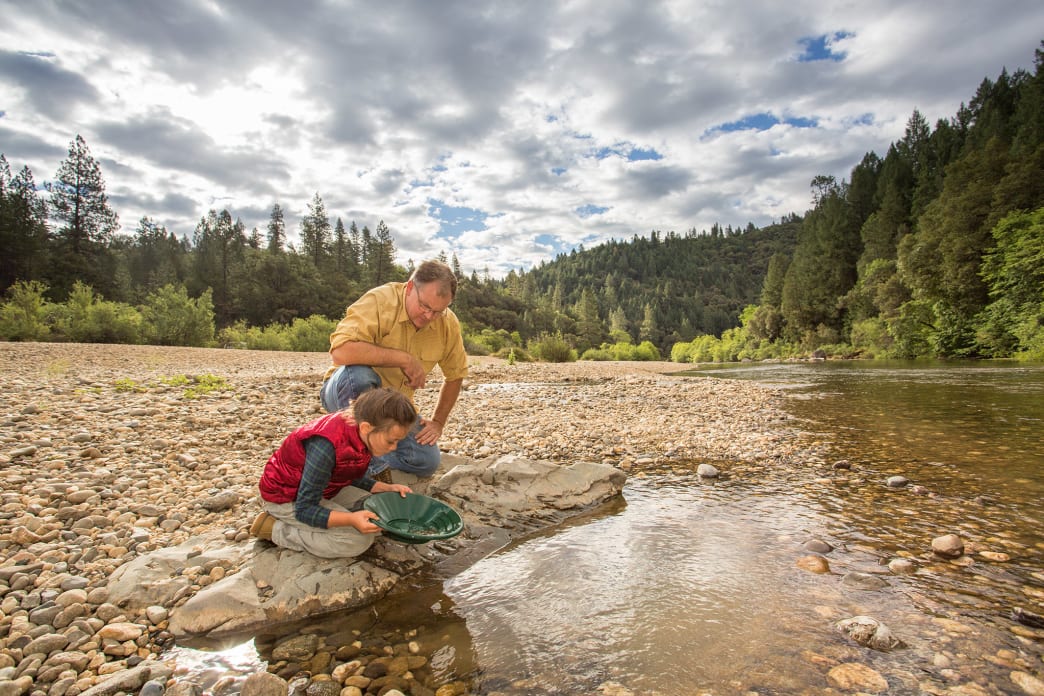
[{"x": 689, "y": 585}]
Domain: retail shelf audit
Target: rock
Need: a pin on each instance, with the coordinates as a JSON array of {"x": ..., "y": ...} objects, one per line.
[
  {"x": 130, "y": 680},
  {"x": 817, "y": 546},
  {"x": 1027, "y": 618},
  {"x": 869, "y": 633},
  {"x": 263, "y": 684},
  {"x": 222, "y": 501},
  {"x": 902, "y": 566},
  {"x": 852, "y": 676},
  {"x": 1030, "y": 685},
  {"x": 863, "y": 581},
  {"x": 814, "y": 564},
  {"x": 897, "y": 481},
  {"x": 948, "y": 546},
  {"x": 707, "y": 471}
]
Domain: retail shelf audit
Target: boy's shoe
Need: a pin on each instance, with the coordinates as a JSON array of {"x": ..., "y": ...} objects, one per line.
[{"x": 262, "y": 526}]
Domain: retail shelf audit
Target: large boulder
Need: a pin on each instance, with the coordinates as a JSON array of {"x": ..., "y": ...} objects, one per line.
[{"x": 498, "y": 498}]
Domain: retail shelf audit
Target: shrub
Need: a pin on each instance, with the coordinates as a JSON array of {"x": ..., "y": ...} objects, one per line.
[
  {"x": 597, "y": 354},
  {"x": 172, "y": 318},
  {"x": 311, "y": 335},
  {"x": 552, "y": 348},
  {"x": 88, "y": 318},
  {"x": 22, "y": 315}
]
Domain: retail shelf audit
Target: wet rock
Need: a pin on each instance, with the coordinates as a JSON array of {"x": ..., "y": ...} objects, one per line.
[
  {"x": 863, "y": 581},
  {"x": 1030, "y": 685},
  {"x": 1027, "y": 618},
  {"x": 852, "y": 676},
  {"x": 263, "y": 684},
  {"x": 817, "y": 546},
  {"x": 948, "y": 546},
  {"x": 897, "y": 481},
  {"x": 814, "y": 564},
  {"x": 869, "y": 633},
  {"x": 902, "y": 566},
  {"x": 707, "y": 471}
]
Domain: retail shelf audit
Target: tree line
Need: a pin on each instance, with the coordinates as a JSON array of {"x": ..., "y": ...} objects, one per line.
[{"x": 932, "y": 250}]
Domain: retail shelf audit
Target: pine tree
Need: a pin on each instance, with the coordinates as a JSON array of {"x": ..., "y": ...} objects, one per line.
[
  {"x": 86, "y": 223},
  {"x": 23, "y": 227},
  {"x": 382, "y": 256},
  {"x": 276, "y": 230},
  {"x": 315, "y": 233}
]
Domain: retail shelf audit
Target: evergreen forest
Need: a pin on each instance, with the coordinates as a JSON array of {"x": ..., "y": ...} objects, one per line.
[{"x": 934, "y": 248}]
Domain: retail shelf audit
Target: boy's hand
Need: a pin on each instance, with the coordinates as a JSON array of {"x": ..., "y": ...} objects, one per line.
[
  {"x": 382, "y": 487},
  {"x": 361, "y": 521}
]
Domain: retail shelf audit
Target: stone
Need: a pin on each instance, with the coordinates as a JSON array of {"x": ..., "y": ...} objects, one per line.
[
  {"x": 814, "y": 564},
  {"x": 852, "y": 676},
  {"x": 1030, "y": 685},
  {"x": 263, "y": 684},
  {"x": 707, "y": 471},
  {"x": 869, "y": 633},
  {"x": 948, "y": 546},
  {"x": 863, "y": 581},
  {"x": 817, "y": 546}
]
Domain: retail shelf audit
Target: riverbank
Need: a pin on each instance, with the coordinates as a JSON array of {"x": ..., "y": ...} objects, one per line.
[{"x": 111, "y": 452}]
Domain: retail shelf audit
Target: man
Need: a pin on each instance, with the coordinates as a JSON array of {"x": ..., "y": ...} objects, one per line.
[{"x": 393, "y": 336}]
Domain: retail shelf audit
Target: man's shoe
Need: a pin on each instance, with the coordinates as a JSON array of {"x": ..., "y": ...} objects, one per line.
[{"x": 262, "y": 526}]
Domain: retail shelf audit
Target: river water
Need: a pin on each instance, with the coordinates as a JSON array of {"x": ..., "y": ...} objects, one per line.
[{"x": 691, "y": 586}]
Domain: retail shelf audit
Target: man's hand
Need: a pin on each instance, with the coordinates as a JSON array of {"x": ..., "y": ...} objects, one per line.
[
  {"x": 414, "y": 371},
  {"x": 430, "y": 432}
]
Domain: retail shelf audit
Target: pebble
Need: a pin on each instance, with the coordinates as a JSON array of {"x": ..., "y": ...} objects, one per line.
[{"x": 92, "y": 476}]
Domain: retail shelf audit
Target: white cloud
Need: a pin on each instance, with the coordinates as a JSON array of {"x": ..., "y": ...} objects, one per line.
[{"x": 508, "y": 110}]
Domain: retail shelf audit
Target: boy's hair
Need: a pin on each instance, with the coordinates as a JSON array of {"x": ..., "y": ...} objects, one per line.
[{"x": 383, "y": 407}]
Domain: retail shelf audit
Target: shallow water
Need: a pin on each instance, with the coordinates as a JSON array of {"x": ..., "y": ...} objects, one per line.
[{"x": 690, "y": 585}]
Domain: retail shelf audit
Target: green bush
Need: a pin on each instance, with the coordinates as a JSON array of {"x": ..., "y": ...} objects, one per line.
[
  {"x": 552, "y": 348},
  {"x": 89, "y": 318},
  {"x": 22, "y": 315},
  {"x": 311, "y": 335},
  {"x": 239, "y": 335},
  {"x": 513, "y": 355},
  {"x": 172, "y": 318},
  {"x": 491, "y": 342},
  {"x": 597, "y": 354}
]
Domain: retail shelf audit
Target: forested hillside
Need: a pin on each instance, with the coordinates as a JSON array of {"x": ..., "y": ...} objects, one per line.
[{"x": 935, "y": 249}]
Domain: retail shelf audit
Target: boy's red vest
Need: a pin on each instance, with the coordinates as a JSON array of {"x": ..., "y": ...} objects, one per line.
[{"x": 282, "y": 474}]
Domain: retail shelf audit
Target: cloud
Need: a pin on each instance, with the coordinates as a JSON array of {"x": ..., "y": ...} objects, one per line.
[
  {"x": 501, "y": 133},
  {"x": 46, "y": 86}
]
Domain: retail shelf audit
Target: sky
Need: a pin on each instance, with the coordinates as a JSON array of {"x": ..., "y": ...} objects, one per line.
[{"x": 504, "y": 133}]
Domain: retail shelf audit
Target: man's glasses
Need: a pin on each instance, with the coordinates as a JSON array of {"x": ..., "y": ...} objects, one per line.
[{"x": 428, "y": 310}]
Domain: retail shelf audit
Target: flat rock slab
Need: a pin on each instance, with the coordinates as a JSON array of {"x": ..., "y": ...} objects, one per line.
[{"x": 499, "y": 499}]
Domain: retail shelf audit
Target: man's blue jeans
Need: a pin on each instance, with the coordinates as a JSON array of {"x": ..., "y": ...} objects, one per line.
[{"x": 348, "y": 382}]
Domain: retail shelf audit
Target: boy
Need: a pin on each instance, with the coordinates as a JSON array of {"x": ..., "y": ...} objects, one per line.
[{"x": 307, "y": 484}]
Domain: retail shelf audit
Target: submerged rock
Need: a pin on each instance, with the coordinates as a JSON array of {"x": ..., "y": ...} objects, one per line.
[{"x": 869, "y": 632}]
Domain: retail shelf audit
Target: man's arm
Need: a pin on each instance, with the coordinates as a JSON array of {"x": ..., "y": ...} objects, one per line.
[
  {"x": 363, "y": 353},
  {"x": 433, "y": 427}
]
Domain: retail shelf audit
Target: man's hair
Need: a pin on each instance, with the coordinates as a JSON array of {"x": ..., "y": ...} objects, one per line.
[
  {"x": 383, "y": 407},
  {"x": 435, "y": 272}
]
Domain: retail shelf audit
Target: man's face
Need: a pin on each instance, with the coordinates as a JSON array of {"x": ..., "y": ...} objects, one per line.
[{"x": 423, "y": 303}]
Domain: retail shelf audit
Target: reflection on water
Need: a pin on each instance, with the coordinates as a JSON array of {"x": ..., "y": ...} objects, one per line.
[
  {"x": 687, "y": 585},
  {"x": 664, "y": 594}
]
